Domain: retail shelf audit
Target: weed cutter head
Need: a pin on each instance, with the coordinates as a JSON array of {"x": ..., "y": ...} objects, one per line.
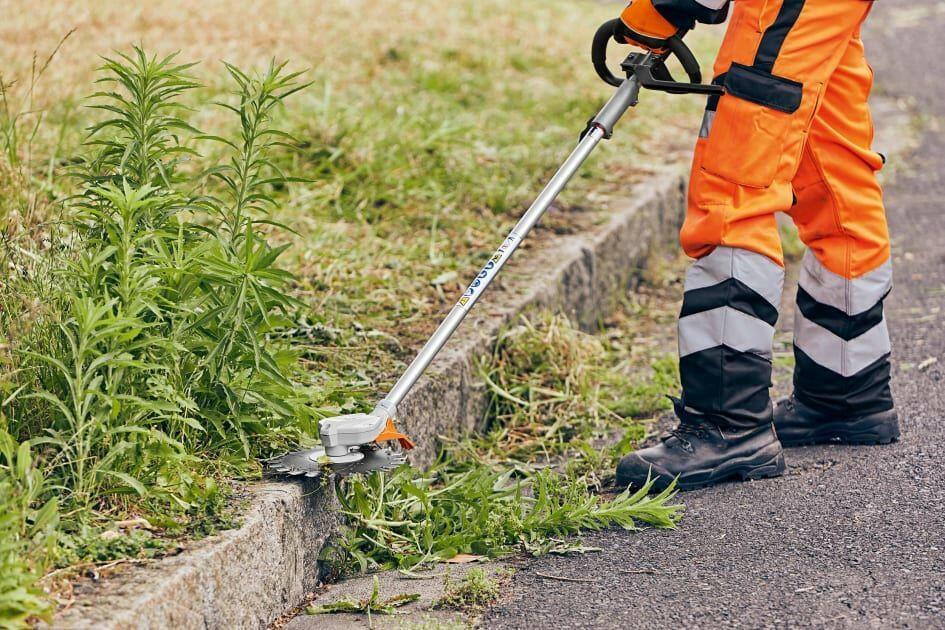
[
  {"x": 316, "y": 462},
  {"x": 351, "y": 444}
]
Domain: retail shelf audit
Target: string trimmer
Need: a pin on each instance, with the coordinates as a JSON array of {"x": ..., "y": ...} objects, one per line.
[{"x": 364, "y": 442}]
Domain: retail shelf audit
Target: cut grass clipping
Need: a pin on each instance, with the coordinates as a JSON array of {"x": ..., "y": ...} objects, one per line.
[
  {"x": 408, "y": 519},
  {"x": 471, "y": 502},
  {"x": 373, "y": 605},
  {"x": 556, "y": 389}
]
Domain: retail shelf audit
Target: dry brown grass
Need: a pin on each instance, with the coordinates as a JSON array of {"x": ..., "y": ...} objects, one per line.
[
  {"x": 346, "y": 36},
  {"x": 447, "y": 116}
]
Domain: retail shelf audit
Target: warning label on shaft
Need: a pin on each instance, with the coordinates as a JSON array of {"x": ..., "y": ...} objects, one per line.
[{"x": 488, "y": 272}]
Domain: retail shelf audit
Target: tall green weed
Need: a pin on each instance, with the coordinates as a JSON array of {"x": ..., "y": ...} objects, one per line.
[{"x": 151, "y": 364}]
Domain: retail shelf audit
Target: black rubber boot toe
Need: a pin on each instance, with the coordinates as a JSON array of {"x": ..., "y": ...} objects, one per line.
[
  {"x": 633, "y": 470},
  {"x": 798, "y": 424},
  {"x": 701, "y": 454}
]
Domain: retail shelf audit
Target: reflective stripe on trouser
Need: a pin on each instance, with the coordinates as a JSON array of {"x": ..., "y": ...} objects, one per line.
[
  {"x": 793, "y": 134},
  {"x": 841, "y": 343},
  {"x": 726, "y": 330}
]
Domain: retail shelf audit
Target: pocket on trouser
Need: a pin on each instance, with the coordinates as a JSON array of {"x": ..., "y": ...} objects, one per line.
[{"x": 751, "y": 125}]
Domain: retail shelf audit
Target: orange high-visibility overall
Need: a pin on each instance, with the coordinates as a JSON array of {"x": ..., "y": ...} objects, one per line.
[{"x": 792, "y": 134}]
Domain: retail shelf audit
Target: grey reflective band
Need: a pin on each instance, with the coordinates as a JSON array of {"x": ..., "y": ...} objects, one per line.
[
  {"x": 726, "y": 330},
  {"x": 846, "y": 358},
  {"x": 852, "y": 296},
  {"x": 724, "y": 326},
  {"x": 707, "y": 121},
  {"x": 841, "y": 342},
  {"x": 764, "y": 276}
]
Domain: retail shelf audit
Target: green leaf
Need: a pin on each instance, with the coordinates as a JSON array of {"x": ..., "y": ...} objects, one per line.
[{"x": 129, "y": 481}]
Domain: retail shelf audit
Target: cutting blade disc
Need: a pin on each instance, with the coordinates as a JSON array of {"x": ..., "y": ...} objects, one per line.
[
  {"x": 307, "y": 463},
  {"x": 374, "y": 459},
  {"x": 314, "y": 462}
]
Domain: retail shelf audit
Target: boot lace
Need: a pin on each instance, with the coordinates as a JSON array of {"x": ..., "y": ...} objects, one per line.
[
  {"x": 690, "y": 426},
  {"x": 685, "y": 430}
]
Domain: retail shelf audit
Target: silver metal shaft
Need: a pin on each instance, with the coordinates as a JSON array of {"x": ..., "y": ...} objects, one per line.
[{"x": 601, "y": 127}]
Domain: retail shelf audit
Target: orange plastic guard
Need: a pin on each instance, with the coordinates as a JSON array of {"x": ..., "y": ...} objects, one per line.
[{"x": 390, "y": 432}]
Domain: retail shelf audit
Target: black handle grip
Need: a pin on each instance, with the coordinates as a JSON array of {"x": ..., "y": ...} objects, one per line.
[
  {"x": 675, "y": 44},
  {"x": 686, "y": 58},
  {"x": 599, "y": 52}
]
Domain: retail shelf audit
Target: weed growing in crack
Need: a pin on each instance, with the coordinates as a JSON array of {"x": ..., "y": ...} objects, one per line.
[
  {"x": 476, "y": 590},
  {"x": 432, "y": 623},
  {"x": 372, "y": 605}
]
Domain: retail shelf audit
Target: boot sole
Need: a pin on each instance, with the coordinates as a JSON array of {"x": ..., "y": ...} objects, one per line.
[
  {"x": 870, "y": 431},
  {"x": 743, "y": 469}
]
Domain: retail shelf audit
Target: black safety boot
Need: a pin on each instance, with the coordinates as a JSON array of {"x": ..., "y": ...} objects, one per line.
[
  {"x": 798, "y": 424},
  {"x": 702, "y": 454}
]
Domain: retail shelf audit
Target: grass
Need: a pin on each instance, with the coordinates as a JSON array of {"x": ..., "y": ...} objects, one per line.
[
  {"x": 422, "y": 141},
  {"x": 476, "y": 590},
  {"x": 563, "y": 437},
  {"x": 175, "y": 302},
  {"x": 555, "y": 387}
]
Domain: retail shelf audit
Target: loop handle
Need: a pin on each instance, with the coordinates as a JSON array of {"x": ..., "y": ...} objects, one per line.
[
  {"x": 599, "y": 52},
  {"x": 675, "y": 46}
]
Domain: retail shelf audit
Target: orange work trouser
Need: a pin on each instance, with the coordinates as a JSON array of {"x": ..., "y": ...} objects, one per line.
[{"x": 791, "y": 134}]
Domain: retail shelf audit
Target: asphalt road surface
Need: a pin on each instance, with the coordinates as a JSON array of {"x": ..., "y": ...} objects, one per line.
[{"x": 850, "y": 537}]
